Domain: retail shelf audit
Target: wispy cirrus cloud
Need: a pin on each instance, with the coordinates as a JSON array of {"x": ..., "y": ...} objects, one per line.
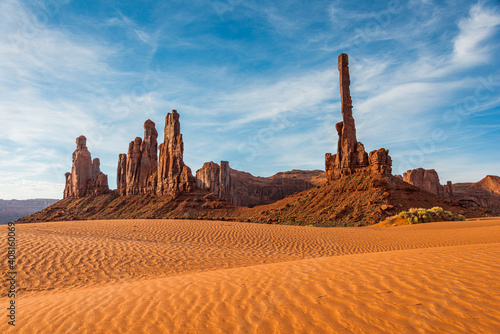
[{"x": 470, "y": 47}]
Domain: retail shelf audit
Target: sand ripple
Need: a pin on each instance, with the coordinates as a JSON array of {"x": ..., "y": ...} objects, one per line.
[{"x": 165, "y": 276}]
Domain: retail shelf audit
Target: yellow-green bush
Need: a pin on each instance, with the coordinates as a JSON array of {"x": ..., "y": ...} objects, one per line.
[{"x": 417, "y": 216}]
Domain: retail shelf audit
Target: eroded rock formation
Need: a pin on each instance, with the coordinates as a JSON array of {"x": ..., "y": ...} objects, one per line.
[
  {"x": 243, "y": 189},
  {"x": 351, "y": 156},
  {"x": 173, "y": 175},
  {"x": 86, "y": 177},
  {"x": 426, "y": 179},
  {"x": 207, "y": 177},
  {"x": 121, "y": 174},
  {"x": 137, "y": 170},
  {"x": 215, "y": 178},
  {"x": 148, "y": 171},
  {"x": 225, "y": 181}
]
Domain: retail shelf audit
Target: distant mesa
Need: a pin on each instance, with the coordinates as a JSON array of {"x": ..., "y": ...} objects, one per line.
[
  {"x": 86, "y": 177},
  {"x": 351, "y": 157},
  {"x": 11, "y": 210}
]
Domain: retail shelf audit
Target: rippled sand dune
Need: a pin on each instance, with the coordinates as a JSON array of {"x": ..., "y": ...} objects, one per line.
[{"x": 175, "y": 276}]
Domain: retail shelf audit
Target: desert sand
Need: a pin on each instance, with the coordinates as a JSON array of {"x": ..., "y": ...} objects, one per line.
[{"x": 182, "y": 276}]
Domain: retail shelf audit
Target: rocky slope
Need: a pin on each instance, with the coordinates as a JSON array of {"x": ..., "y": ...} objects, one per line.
[{"x": 354, "y": 200}]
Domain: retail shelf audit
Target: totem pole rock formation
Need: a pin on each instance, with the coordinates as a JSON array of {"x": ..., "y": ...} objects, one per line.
[
  {"x": 86, "y": 177},
  {"x": 138, "y": 169},
  {"x": 173, "y": 175},
  {"x": 351, "y": 156}
]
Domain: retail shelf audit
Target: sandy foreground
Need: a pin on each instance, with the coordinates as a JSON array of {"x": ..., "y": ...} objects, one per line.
[{"x": 182, "y": 276}]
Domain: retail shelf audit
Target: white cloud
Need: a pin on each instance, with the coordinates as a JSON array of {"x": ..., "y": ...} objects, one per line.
[
  {"x": 469, "y": 46},
  {"x": 143, "y": 36},
  {"x": 20, "y": 188}
]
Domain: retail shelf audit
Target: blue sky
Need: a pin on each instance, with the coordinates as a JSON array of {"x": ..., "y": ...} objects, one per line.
[{"x": 255, "y": 83}]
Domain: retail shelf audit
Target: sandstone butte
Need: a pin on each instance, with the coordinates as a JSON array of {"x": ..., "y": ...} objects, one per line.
[{"x": 356, "y": 188}]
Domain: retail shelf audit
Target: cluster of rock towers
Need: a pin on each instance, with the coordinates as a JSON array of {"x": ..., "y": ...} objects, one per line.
[
  {"x": 351, "y": 157},
  {"x": 143, "y": 171}
]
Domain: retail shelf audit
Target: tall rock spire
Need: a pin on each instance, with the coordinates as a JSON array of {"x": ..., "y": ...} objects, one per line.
[
  {"x": 347, "y": 127},
  {"x": 149, "y": 159},
  {"x": 351, "y": 156},
  {"x": 133, "y": 166},
  {"x": 86, "y": 177},
  {"x": 173, "y": 175},
  {"x": 121, "y": 174}
]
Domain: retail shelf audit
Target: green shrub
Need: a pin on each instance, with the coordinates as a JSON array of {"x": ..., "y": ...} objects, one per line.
[{"x": 419, "y": 215}]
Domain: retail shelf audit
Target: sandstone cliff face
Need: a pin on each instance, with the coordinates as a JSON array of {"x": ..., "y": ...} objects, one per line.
[
  {"x": 243, "y": 189},
  {"x": 207, "y": 177},
  {"x": 85, "y": 177},
  {"x": 426, "y": 179},
  {"x": 173, "y": 175},
  {"x": 351, "y": 156},
  {"x": 248, "y": 190},
  {"x": 133, "y": 166},
  {"x": 225, "y": 181}
]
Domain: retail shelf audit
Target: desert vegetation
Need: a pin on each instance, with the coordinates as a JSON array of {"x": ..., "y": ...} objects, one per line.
[{"x": 420, "y": 215}]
